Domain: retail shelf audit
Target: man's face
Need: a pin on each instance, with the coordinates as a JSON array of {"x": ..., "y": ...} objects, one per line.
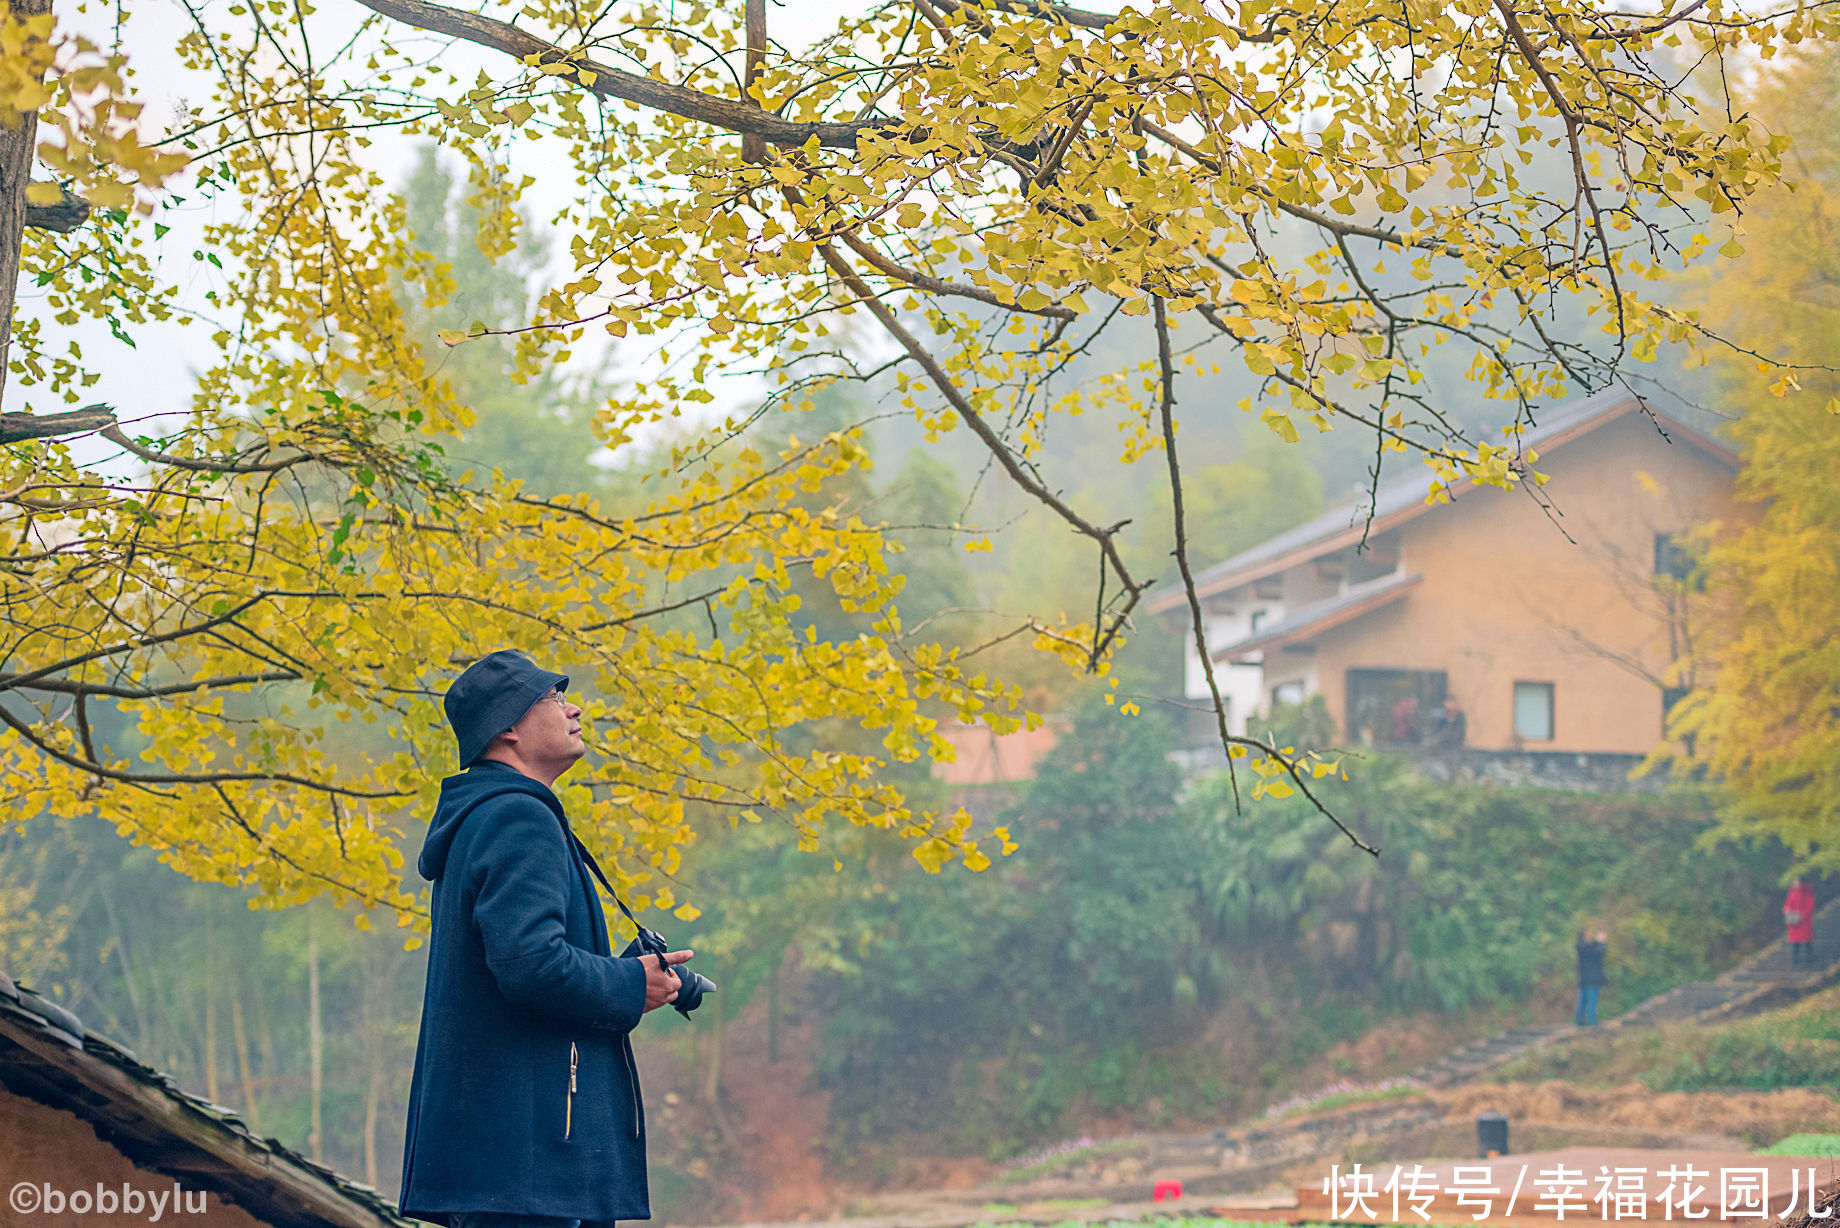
[{"x": 550, "y": 733}]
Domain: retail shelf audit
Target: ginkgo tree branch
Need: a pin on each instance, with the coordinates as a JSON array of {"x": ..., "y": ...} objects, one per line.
[
  {"x": 112, "y": 690},
  {"x": 1086, "y": 19},
  {"x": 753, "y": 145},
  {"x": 604, "y": 81},
  {"x": 1178, "y": 519},
  {"x": 138, "y": 643},
  {"x": 196, "y": 464},
  {"x": 17, "y": 428},
  {"x": 935, "y": 285},
  {"x": 46, "y": 746},
  {"x": 1302, "y": 213},
  {"x": 942, "y": 382},
  {"x": 62, "y": 215}
]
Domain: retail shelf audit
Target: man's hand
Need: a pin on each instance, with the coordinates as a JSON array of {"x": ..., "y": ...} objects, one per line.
[{"x": 661, "y": 985}]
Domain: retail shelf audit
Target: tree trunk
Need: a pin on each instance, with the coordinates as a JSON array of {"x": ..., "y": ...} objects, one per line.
[
  {"x": 17, "y": 146},
  {"x": 712, "y": 1077},
  {"x": 265, "y": 1032},
  {"x": 143, "y": 1035},
  {"x": 773, "y": 1014},
  {"x": 315, "y": 1041},
  {"x": 373, "y": 1056},
  {"x": 712, "y": 1070},
  {"x": 210, "y": 1040},
  {"x": 211, "y": 1090},
  {"x": 241, "y": 1035}
]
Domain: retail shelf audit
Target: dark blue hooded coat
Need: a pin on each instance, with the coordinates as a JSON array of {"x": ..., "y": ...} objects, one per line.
[{"x": 525, "y": 1097}]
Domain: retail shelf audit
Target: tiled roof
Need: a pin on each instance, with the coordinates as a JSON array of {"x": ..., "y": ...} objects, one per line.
[
  {"x": 1403, "y": 497},
  {"x": 47, "y": 1055}
]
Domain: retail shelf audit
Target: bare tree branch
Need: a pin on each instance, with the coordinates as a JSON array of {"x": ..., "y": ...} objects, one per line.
[{"x": 1166, "y": 365}]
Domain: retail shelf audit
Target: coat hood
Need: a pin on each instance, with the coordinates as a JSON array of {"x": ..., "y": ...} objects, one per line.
[{"x": 465, "y": 793}]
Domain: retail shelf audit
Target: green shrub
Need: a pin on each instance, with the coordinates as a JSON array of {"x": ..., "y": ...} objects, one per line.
[
  {"x": 1805, "y": 1145},
  {"x": 1078, "y": 973},
  {"x": 1753, "y": 1059}
]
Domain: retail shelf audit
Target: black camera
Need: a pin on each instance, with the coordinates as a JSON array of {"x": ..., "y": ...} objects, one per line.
[{"x": 692, "y": 985}]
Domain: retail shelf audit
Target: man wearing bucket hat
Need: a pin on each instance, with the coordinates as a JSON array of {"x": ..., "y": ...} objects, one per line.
[{"x": 524, "y": 1110}]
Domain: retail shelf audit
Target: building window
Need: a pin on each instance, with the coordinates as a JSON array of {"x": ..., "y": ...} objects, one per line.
[
  {"x": 1393, "y": 707},
  {"x": 1258, "y": 619},
  {"x": 1533, "y": 711},
  {"x": 1287, "y": 693}
]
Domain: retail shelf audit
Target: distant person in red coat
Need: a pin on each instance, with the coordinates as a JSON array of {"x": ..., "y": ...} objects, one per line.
[
  {"x": 1405, "y": 720},
  {"x": 1798, "y": 921}
]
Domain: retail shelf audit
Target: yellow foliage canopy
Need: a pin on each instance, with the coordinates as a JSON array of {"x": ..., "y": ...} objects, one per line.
[
  {"x": 1769, "y": 722},
  {"x": 991, "y": 185}
]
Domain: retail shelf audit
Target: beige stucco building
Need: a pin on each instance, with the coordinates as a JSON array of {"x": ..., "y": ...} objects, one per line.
[{"x": 1551, "y": 619}]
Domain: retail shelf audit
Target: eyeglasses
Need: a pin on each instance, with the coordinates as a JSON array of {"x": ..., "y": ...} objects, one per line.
[{"x": 558, "y": 698}]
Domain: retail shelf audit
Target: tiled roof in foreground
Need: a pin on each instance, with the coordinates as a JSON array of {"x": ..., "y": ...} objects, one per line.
[{"x": 48, "y": 1056}]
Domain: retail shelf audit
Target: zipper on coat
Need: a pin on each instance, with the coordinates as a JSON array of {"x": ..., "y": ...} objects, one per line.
[{"x": 568, "y": 1119}]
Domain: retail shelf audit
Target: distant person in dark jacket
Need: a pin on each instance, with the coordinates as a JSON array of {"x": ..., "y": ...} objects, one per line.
[
  {"x": 1798, "y": 923},
  {"x": 1452, "y": 728},
  {"x": 524, "y": 1111},
  {"x": 1590, "y": 975}
]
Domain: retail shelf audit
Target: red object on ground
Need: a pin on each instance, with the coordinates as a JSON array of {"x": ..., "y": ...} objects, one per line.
[
  {"x": 1801, "y": 900},
  {"x": 1166, "y": 1191}
]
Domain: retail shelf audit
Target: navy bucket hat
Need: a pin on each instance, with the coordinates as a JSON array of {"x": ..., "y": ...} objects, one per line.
[{"x": 492, "y": 695}]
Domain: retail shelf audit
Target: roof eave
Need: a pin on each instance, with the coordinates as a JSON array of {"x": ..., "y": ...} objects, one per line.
[
  {"x": 1285, "y": 638},
  {"x": 1210, "y": 586}
]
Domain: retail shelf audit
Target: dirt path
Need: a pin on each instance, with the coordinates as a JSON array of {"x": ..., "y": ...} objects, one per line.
[{"x": 1263, "y": 1163}]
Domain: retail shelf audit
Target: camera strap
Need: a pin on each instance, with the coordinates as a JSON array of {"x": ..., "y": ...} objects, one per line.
[{"x": 602, "y": 875}]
